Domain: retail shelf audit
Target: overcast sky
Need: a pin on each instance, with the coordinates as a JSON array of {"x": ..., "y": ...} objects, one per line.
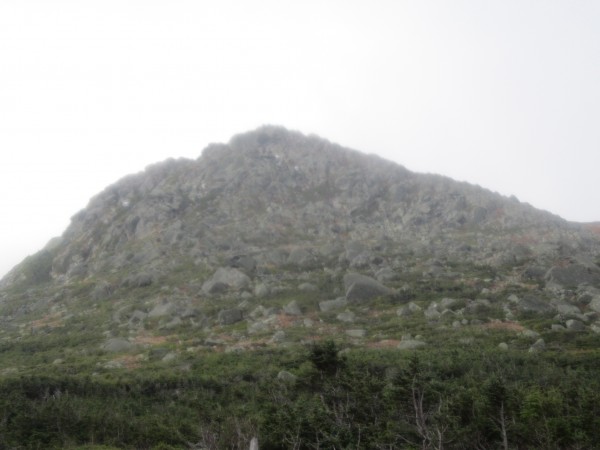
[{"x": 504, "y": 94}]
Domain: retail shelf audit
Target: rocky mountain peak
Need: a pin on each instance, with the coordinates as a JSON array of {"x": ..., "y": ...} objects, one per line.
[{"x": 272, "y": 188}]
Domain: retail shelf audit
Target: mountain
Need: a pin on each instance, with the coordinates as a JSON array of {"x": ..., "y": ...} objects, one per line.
[
  {"x": 273, "y": 214},
  {"x": 277, "y": 241}
]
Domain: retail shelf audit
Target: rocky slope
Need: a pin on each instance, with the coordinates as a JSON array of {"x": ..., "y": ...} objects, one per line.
[{"x": 286, "y": 233}]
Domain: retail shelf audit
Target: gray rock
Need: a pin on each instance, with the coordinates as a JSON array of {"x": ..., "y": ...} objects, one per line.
[
  {"x": 503, "y": 346},
  {"x": 594, "y": 303},
  {"x": 226, "y": 278},
  {"x": 532, "y": 304},
  {"x": 447, "y": 303},
  {"x": 347, "y": 317},
  {"x": 259, "y": 327},
  {"x": 404, "y": 311},
  {"x": 286, "y": 377},
  {"x": 574, "y": 275},
  {"x": 101, "y": 291},
  {"x": 137, "y": 318},
  {"x": 331, "y": 305},
  {"x": 308, "y": 323},
  {"x": 174, "y": 323},
  {"x": 432, "y": 313},
  {"x": 139, "y": 280},
  {"x": 262, "y": 290},
  {"x": 566, "y": 309},
  {"x": 538, "y": 346},
  {"x": 414, "y": 308},
  {"x": 243, "y": 262},
  {"x": 386, "y": 274},
  {"x": 117, "y": 345},
  {"x": 169, "y": 357},
  {"x": 301, "y": 257},
  {"x": 292, "y": 309},
  {"x": 557, "y": 327},
  {"x": 410, "y": 344},
  {"x": 229, "y": 316},
  {"x": 361, "y": 288},
  {"x": 214, "y": 287},
  {"x": 357, "y": 333},
  {"x": 278, "y": 337},
  {"x": 163, "y": 309},
  {"x": 530, "y": 334},
  {"x": 354, "y": 249},
  {"x": 307, "y": 287},
  {"x": 575, "y": 325}
]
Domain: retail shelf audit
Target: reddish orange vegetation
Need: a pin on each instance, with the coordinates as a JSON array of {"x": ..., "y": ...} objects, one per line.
[
  {"x": 151, "y": 340},
  {"x": 593, "y": 227},
  {"x": 285, "y": 321},
  {"x": 510, "y": 326},
  {"x": 386, "y": 343},
  {"x": 51, "y": 320},
  {"x": 129, "y": 361}
]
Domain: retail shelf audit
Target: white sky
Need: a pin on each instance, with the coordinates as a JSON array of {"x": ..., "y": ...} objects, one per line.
[{"x": 505, "y": 93}]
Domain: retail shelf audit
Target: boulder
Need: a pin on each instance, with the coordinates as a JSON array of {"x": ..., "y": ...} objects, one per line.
[
  {"x": 356, "y": 333},
  {"x": 226, "y": 278},
  {"x": 286, "y": 377},
  {"x": 229, "y": 316},
  {"x": 410, "y": 344},
  {"x": 361, "y": 288},
  {"x": 163, "y": 309},
  {"x": 573, "y": 275},
  {"x": 538, "y": 346},
  {"x": 292, "y": 309},
  {"x": 261, "y": 290},
  {"x": 386, "y": 274},
  {"x": 566, "y": 309},
  {"x": 347, "y": 317},
  {"x": 278, "y": 337},
  {"x": 300, "y": 257},
  {"x": 330, "y": 305},
  {"x": 533, "y": 304},
  {"x": 594, "y": 303},
  {"x": 575, "y": 325},
  {"x": 243, "y": 262}
]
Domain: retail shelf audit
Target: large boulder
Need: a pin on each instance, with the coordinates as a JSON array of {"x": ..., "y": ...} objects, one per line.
[
  {"x": 330, "y": 305},
  {"x": 230, "y": 316},
  {"x": 361, "y": 288},
  {"x": 573, "y": 275},
  {"x": 226, "y": 278}
]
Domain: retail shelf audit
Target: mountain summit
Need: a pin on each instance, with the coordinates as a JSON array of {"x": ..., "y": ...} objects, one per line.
[
  {"x": 275, "y": 218},
  {"x": 273, "y": 190}
]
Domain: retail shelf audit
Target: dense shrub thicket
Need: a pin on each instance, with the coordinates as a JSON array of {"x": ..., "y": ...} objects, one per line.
[{"x": 372, "y": 399}]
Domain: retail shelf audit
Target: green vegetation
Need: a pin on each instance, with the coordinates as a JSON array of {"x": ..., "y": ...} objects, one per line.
[{"x": 458, "y": 399}]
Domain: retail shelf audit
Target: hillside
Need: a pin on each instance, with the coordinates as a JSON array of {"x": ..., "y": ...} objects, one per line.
[{"x": 278, "y": 242}]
